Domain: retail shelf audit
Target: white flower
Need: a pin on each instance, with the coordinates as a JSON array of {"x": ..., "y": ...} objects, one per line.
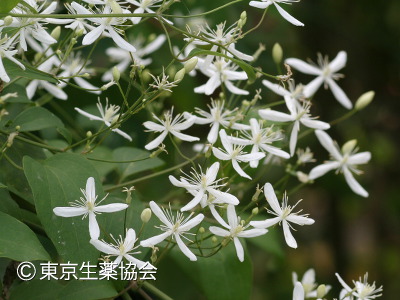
[
  {"x": 295, "y": 91},
  {"x": 87, "y": 206},
  {"x": 235, "y": 154},
  {"x": 217, "y": 116},
  {"x": 169, "y": 125},
  {"x": 7, "y": 51},
  {"x": 326, "y": 73},
  {"x": 298, "y": 291},
  {"x": 199, "y": 184},
  {"x": 362, "y": 289},
  {"x": 265, "y": 3},
  {"x": 261, "y": 139},
  {"x": 105, "y": 26},
  {"x": 173, "y": 226},
  {"x": 298, "y": 114},
  {"x": 145, "y": 6},
  {"x": 109, "y": 115},
  {"x": 124, "y": 58},
  {"x": 308, "y": 283},
  {"x": 219, "y": 72},
  {"x": 283, "y": 215},
  {"x": 32, "y": 28},
  {"x": 305, "y": 156},
  {"x": 236, "y": 229},
  {"x": 121, "y": 248},
  {"x": 161, "y": 83},
  {"x": 344, "y": 161}
]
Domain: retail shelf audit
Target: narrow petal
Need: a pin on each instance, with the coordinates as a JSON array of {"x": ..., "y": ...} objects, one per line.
[
  {"x": 120, "y": 41},
  {"x": 287, "y": 16},
  {"x": 338, "y": 62},
  {"x": 276, "y": 88},
  {"x": 223, "y": 197},
  {"x": 153, "y": 126},
  {"x": 251, "y": 156},
  {"x": 327, "y": 142},
  {"x": 220, "y": 155},
  {"x": 94, "y": 229},
  {"x": 303, "y": 66},
  {"x": 298, "y": 292},
  {"x": 339, "y": 94},
  {"x": 315, "y": 124},
  {"x": 288, "y": 235},
  {"x": 93, "y": 35},
  {"x": 239, "y": 249},
  {"x": 70, "y": 211},
  {"x": 159, "y": 213},
  {"x": 212, "y": 84},
  {"x": 260, "y": 4},
  {"x": 293, "y": 137},
  {"x": 275, "y": 151},
  {"x": 344, "y": 284},
  {"x": 233, "y": 89},
  {"x": 300, "y": 220},
  {"x": 103, "y": 247},
  {"x": 238, "y": 169},
  {"x": 54, "y": 90},
  {"x": 359, "y": 158},
  {"x": 191, "y": 223},
  {"x": 111, "y": 207},
  {"x": 184, "y": 137},
  {"x": 185, "y": 250},
  {"x": 90, "y": 116},
  {"x": 232, "y": 217},
  {"x": 211, "y": 173},
  {"x": 217, "y": 217},
  {"x": 123, "y": 134},
  {"x": 86, "y": 85},
  {"x": 135, "y": 261},
  {"x": 311, "y": 88},
  {"x": 225, "y": 141},
  {"x": 213, "y": 134},
  {"x": 219, "y": 231},
  {"x": 178, "y": 183},
  {"x": 266, "y": 223},
  {"x": 252, "y": 233},
  {"x": 321, "y": 170},
  {"x": 196, "y": 200},
  {"x": 353, "y": 184},
  {"x": 90, "y": 189},
  {"x": 155, "y": 240},
  {"x": 157, "y": 141},
  {"x": 276, "y": 116},
  {"x": 271, "y": 198},
  {"x": 309, "y": 277}
]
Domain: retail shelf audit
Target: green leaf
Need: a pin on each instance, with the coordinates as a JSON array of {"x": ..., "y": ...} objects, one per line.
[
  {"x": 57, "y": 182},
  {"x": 270, "y": 242},
  {"x": 16, "y": 88},
  {"x": 130, "y": 153},
  {"x": 18, "y": 242},
  {"x": 36, "y": 290},
  {"x": 245, "y": 66},
  {"x": 103, "y": 153},
  {"x": 7, "y": 5},
  {"x": 220, "y": 277},
  {"x": 14, "y": 71},
  {"x": 8, "y": 205},
  {"x": 37, "y": 118}
]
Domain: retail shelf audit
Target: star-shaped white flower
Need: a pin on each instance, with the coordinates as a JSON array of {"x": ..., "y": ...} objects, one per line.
[
  {"x": 220, "y": 72},
  {"x": 235, "y": 154},
  {"x": 87, "y": 206},
  {"x": 299, "y": 114},
  {"x": 169, "y": 125},
  {"x": 199, "y": 184},
  {"x": 283, "y": 214},
  {"x": 326, "y": 73},
  {"x": 146, "y": 6},
  {"x": 344, "y": 161},
  {"x": 261, "y": 139},
  {"x": 362, "y": 289},
  {"x": 7, "y": 51},
  {"x": 121, "y": 249},
  {"x": 263, "y": 4},
  {"x": 173, "y": 226},
  {"x": 236, "y": 229},
  {"x": 217, "y": 116},
  {"x": 294, "y": 92},
  {"x": 109, "y": 115},
  {"x": 309, "y": 284}
]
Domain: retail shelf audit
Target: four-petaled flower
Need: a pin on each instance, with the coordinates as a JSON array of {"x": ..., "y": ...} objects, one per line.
[
  {"x": 283, "y": 214},
  {"x": 87, "y": 206},
  {"x": 344, "y": 161},
  {"x": 173, "y": 226},
  {"x": 362, "y": 289},
  {"x": 121, "y": 249},
  {"x": 235, "y": 229}
]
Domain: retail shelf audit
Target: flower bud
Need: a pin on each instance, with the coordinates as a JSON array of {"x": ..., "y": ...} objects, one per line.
[
  {"x": 364, "y": 100},
  {"x": 349, "y": 146},
  {"x": 202, "y": 230},
  {"x": 179, "y": 75},
  {"x": 58, "y": 52},
  {"x": 321, "y": 291},
  {"x": 55, "y": 34},
  {"x": 116, "y": 74},
  {"x": 255, "y": 211},
  {"x": 243, "y": 15},
  {"x": 79, "y": 32},
  {"x": 115, "y": 7},
  {"x": 302, "y": 177},
  {"x": 214, "y": 239},
  {"x": 38, "y": 56},
  {"x": 190, "y": 64},
  {"x": 73, "y": 41},
  {"x": 7, "y": 20},
  {"x": 89, "y": 134},
  {"x": 145, "y": 215},
  {"x": 277, "y": 53}
]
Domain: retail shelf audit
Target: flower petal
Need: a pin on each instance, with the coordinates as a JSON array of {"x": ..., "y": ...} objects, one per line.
[
  {"x": 327, "y": 142},
  {"x": 93, "y": 35},
  {"x": 300, "y": 220},
  {"x": 288, "y": 235},
  {"x": 94, "y": 229},
  {"x": 219, "y": 231},
  {"x": 185, "y": 250},
  {"x": 157, "y": 141},
  {"x": 120, "y": 41},
  {"x": 287, "y": 16},
  {"x": 339, "y": 94},
  {"x": 303, "y": 66},
  {"x": 70, "y": 211},
  {"x": 359, "y": 158},
  {"x": 338, "y": 62},
  {"x": 271, "y": 198},
  {"x": 298, "y": 292},
  {"x": 276, "y": 88},
  {"x": 155, "y": 239},
  {"x": 239, "y": 249},
  {"x": 191, "y": 223},
  {"x": 239, "y": 170},
  {"x": 273, "y": 115},
  {"x": 252, "y": 232},
  {"x": 353, "y": 184},
  {"x": 310, "y": 89},
  {"x": 321, "y": 170},
  {"x": 223, "y": 197},
  {"x": 113, "y": 207},
  {"x": 90, "y": 116},
  {"x": 184, "y": 137},
  {"x": 103, "y": 247},
  {"x": 266, "y": 223},
  {"x": 159, "y": 213}
]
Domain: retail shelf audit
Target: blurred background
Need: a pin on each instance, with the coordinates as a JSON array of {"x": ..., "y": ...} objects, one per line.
[{"x": 352, "y": 235}]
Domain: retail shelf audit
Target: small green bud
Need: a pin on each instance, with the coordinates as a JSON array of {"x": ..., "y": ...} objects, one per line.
[
  {"x": 7, "y": 20},
  {"x": 214, "y": 239},
  {"x": 202, "y": 230},
  {"x": 321, "y": 291},
  {"x": 79, "y": 32},
  {"x": 145, "y": 75},
  {"x": 152, "y": 37},
  {"x": 89, "y": 134},
  {"x": 254, "y": 211},
  {"x": 115, "y": 7},
  {"x": 243, "y": 15},
  {"x": 116, "y": 74},
  {"x": 364, "y": 100},
  {"x": 180, "y": 75},
  {"x": 277, "y": 53},
  {"x": 73, "y": 41},
  {"x": 58, "y": 52},
  {"x": 190, "y": 64},
  {"x": 349, "y": 146},
  {"x": 37, "y": 56},
  {"x": 55, "y": 34},
  {"x": 240, "y": 23},
  {"x": 145, "y": 215}
]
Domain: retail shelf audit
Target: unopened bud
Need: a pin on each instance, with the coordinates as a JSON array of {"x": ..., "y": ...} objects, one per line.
[
  {"x": 254, "y": 211},
  {"x": 153, "y": 256},
  {"x": 73, "y": 41},
  {"x": 364, "y": 100},
  {"x": 214, "y": 239},
  {"x": 190, "y": 64},
  {"x": 37, "y": 56},
  {"x": 321, "y": 291},
  {"x": 89, "y": 134},
  {"x": 202, "y": 230},
  {"x": 55, "y": 34},
  {"x": 115, "y": 7},
  {"x": 240, "y": 23},
  {"x": 151, "y": 37},
  {"x": 145, "y": 215},
  {"x": 116, "y": 74},
  {"x": 79, "y": 32},
  {"x": 277, "y": 53},
  {"x": 349, "y": 146},
  {"x": 179, "y": 75},
  {"x": 145, "y": 75},
  {"x": 7, "y": 20},
  {"x": 59, "y": 52},
  {"x": 302, "y": 177}
]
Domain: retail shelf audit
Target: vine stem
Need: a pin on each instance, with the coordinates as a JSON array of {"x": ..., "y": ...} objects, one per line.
[{"x": 160, "y": 294}]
